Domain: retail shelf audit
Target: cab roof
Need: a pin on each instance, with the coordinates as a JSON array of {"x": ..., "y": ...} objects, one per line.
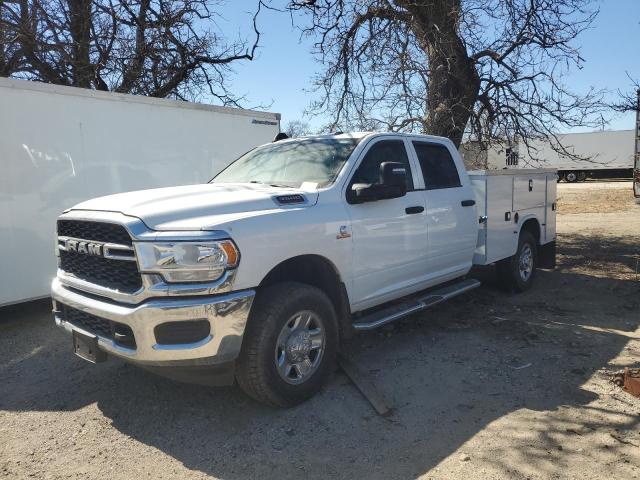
[{"x": 362, "y": 135}]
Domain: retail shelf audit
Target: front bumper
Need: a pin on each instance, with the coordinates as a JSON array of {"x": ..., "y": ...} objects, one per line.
[{"x": 226, "y": 313}]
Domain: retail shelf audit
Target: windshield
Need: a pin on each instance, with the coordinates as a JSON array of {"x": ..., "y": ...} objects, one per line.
[{"x": 316, "y": 160}]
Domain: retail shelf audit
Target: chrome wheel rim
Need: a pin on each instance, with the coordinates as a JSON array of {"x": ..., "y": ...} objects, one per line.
[
  {"x": 572, "y": 177},
  {"x": 525, "y": 264},
  {"x": 300, "y": 347}
]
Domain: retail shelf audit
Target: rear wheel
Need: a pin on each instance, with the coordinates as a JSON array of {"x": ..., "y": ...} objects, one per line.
[
  {"x": 571, "y": 177},
  {"x": 290, "y": 344},
  {"x": 516, "y": 273},
  {"x": 582, "y": 176}
]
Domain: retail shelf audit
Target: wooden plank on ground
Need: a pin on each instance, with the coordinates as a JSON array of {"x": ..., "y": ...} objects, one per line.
[{"x": 365, "y": 386}]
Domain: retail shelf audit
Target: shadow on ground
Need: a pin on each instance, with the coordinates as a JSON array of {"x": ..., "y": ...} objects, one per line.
[{"x": 448, "y": 374}]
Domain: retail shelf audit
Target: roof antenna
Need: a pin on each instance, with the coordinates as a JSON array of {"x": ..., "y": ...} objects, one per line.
[{"x": 280, "y": 136}]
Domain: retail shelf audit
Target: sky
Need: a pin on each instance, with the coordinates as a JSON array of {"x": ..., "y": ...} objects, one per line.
[{"x": 280, "y": 77}]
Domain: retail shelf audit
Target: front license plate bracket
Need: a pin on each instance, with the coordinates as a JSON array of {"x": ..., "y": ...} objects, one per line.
[{"x": 86, "y": 347}]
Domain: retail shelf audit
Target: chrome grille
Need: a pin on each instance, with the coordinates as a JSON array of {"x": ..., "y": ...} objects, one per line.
[
  {"x": 119, "y": 273},
  {"x": 115, "y": 274}
]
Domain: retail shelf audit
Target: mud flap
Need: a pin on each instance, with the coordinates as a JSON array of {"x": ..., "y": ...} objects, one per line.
[{"x": 547, "y": 256}]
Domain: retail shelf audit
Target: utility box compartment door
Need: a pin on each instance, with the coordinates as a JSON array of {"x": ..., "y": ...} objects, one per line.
[
  {"x": 529, "y": 191},
  {"x": 497, "y": 236},
  {"x": 479, "y": 186},
  {"x": 551, "y": 209},
  {"x": 502, "y": 232}
]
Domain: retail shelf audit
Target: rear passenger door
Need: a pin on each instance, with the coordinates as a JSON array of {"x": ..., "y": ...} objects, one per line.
[{"x": 451, "y": 212}]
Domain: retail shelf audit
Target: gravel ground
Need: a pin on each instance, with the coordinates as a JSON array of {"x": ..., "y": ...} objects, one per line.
[{"x": 487, "y": 386}]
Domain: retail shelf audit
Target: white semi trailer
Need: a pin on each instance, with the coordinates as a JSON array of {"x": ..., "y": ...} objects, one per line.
[
  {"x": 602, "y": 155},
  {"x": 595, "y": 154},
  {"x": 62, "y": 145}
]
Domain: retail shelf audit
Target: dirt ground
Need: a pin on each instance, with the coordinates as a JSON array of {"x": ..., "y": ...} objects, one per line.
[
  {"x": 594, "y": 196},
  {"x": 487, "y": 386}
]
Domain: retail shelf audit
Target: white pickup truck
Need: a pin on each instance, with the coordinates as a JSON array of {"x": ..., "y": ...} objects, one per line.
[{"x": 261, "y": 274}]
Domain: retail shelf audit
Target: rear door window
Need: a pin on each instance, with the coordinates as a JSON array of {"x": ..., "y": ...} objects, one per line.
[{"x": 438, "y": 168}]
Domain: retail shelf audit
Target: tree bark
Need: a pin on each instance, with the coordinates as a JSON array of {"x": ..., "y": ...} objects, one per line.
[
  {"x": 454, "y": 83},
  {"x": 80, "y": 30}
]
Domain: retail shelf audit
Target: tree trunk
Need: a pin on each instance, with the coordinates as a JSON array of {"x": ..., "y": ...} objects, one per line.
[
  {"x": 80, "y": 29},
  {"x": 454, "y": 83}
]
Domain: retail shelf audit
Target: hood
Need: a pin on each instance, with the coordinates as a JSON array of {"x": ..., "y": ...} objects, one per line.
[{"x": 185, "y": 207}]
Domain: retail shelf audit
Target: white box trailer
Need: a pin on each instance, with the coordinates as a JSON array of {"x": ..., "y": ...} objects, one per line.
[
  {"x": 506, "y": 199},
  {"x": 62, "y": 145},
  {"x": 602, "y": 154}
]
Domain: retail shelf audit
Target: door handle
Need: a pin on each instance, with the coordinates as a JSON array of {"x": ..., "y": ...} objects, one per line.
[
  {"x": 412, "y": 210},
  {"x": 468, "y": 203}
]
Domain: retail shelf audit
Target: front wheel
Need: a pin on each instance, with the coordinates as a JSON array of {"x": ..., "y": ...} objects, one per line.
[
  {"x": 516, "y": 273},
  {"x": 290, "y": 344}
]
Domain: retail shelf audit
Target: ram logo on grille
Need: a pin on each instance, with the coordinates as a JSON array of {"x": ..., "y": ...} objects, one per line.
[{"x": 87, "y": 248}]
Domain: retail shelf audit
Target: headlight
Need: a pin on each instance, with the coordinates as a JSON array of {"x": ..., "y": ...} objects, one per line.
[{"x": 187, "y": 261}]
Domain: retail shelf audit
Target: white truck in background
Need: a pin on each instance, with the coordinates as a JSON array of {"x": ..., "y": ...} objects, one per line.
[
  {"x": 63, "y": 145},
  {"x": 261, "y": 274}
]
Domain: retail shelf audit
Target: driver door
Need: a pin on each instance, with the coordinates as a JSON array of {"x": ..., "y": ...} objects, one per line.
[{"x": 389, "y": 236}]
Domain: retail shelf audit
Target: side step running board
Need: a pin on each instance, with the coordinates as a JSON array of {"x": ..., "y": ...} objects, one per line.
[{"x": 414, "y": 304}]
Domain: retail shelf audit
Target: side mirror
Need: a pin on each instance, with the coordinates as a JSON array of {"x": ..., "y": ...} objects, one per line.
[
  {"x": 393, "y": 184},
  {"x": 394, "y": 175}
]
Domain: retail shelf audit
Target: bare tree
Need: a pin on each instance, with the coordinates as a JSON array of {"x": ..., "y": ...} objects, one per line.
[
  {"x": 628, "y": 101},
  {"x": 157, "y": 48},
  {"x": 488, "y": 69},
  {"x": 297, "y": 128}
]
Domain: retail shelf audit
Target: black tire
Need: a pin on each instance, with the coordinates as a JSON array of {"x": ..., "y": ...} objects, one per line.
[
  {"x": 571, "y": 177},
  {"x": 582, "y": 176},
  {"x": 509, "y": 271},
  {"x": 273, "y": 308}
]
